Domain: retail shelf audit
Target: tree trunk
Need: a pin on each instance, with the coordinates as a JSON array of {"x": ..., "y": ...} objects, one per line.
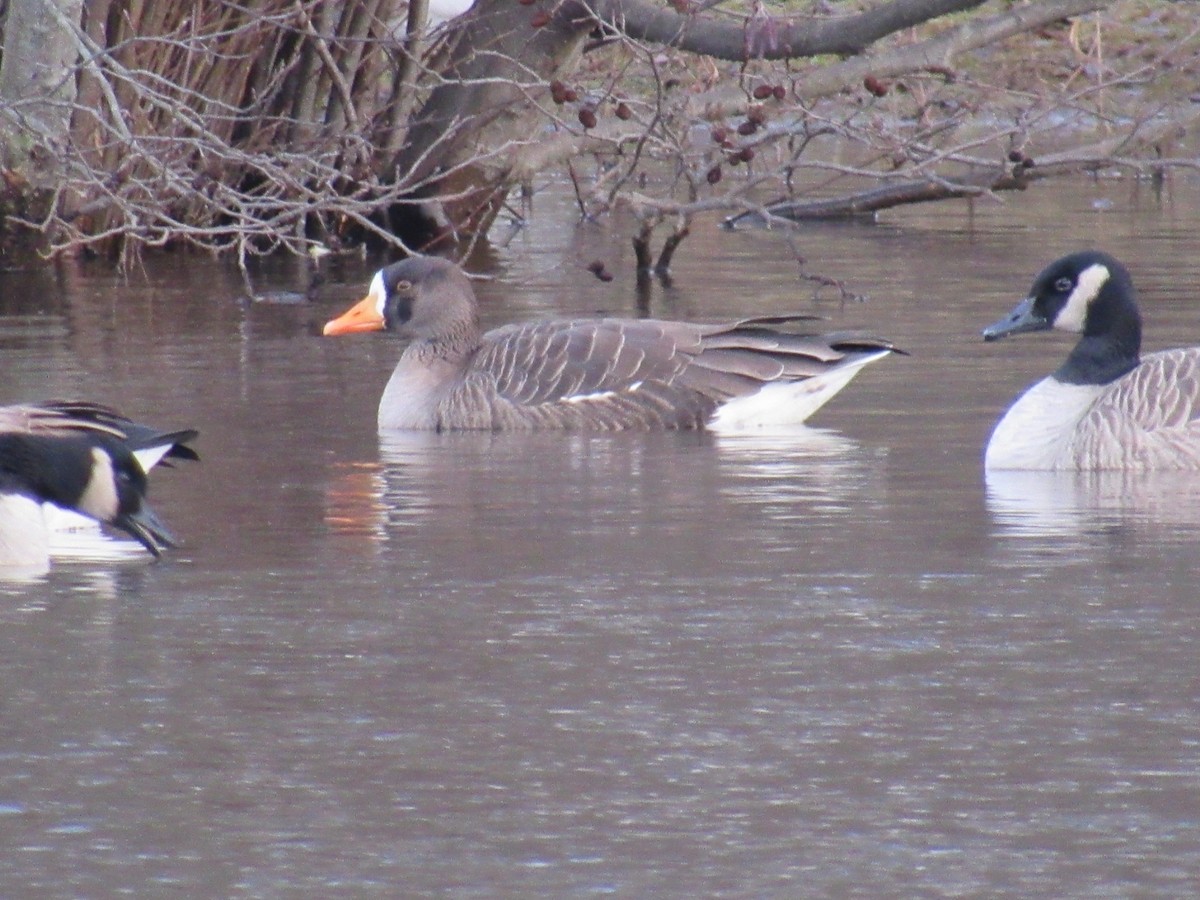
[
  {"x": 37, "y": 93},
  {"x": 465, "y": 140}
]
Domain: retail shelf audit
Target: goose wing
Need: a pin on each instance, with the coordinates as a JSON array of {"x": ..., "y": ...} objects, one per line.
[
  {"x": 565, "y": 361},
  {"x": 740, "y": 358},
  {"x": 149, "y": 444},
  {"x": 620, "y": 373},
  {"x": 61, "y": 418},
  {"x": 1148, "y": 419}
]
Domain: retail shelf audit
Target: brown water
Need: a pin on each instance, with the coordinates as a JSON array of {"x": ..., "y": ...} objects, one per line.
[{"x": 835, "y": 664}]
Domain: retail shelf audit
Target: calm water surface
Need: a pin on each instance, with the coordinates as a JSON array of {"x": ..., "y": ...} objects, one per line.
[{"x": 828, "y": 663}]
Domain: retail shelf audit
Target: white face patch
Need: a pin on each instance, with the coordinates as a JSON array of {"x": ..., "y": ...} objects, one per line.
[
  {"x": 377, "y": 291},
  {"x": 100, "y": 500},
  {"x": 1072, "y": 316}
]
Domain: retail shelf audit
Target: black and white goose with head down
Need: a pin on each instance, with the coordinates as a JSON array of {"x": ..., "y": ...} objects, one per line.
[{"x": 59, "y": 458}]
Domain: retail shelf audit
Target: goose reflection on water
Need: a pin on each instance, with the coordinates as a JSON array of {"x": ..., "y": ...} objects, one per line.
[
  {"x": 628, "y": 483},
  {"x": 1033, "y": 504},
  {"x": 795, "y": 473},
  {"x": 82, "y": 548}
]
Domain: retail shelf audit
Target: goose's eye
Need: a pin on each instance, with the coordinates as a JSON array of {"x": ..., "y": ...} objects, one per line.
[
  {"x": 1064, "y": 285},
  {"x": 403, "y": 287}
]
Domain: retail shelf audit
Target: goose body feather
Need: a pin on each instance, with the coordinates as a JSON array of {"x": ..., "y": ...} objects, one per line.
[{"x": 24, "y": 537}]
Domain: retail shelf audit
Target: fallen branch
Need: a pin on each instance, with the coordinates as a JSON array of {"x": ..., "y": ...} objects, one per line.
[{"x": 1017, "y": 175}]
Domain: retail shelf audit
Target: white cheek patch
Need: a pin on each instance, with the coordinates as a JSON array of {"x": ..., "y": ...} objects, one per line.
[
  {"x": 1072, "y": 316},
  {"x": 378, "y": 293},
  {"x": 99, "y": 499}
]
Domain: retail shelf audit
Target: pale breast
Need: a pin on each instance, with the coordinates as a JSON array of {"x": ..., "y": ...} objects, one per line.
[
  {"x": 23, "y": 536},
  {"x": 1036, "y": 431},
  {"x": 415, "y": 391}
]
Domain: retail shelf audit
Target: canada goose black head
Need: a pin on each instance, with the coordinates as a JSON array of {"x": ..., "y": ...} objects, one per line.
[
  {"x": 1087, "y": 293},
  {"x": 90, "y": 472}
]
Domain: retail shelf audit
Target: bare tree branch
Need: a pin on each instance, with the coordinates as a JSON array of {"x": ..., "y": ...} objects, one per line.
[
  {"x": 288, "y": 124},
  {"x": 762, "y": 36}
]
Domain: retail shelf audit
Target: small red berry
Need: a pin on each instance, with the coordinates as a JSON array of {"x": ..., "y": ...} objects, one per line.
[{"x": 875, "y": 86}]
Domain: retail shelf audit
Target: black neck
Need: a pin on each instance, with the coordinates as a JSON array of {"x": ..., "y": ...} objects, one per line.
[
  {"x": 47, "y": 468},
  {"x": 1101, "y": 359},
  {"x": 1112, "y": 336}
]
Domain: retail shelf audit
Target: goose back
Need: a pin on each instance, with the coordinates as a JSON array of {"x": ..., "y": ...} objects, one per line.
[{"x": 610, "y": 374}]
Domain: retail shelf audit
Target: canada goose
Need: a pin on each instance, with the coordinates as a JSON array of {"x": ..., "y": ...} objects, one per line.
[
  {"x": 82, "y": 457},
  {"x": 595, "y": 374},
  {"x": 1104, "y": 408}
]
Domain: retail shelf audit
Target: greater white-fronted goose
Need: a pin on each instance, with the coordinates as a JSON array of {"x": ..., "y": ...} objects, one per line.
[
  {"x": 79, "y": 457},
  {"x": 1105, "y": 407},
  {"x": 591, "y": 374}
]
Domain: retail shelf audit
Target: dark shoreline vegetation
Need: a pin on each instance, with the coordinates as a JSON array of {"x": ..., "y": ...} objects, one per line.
[{"x": 248, "y": 130}]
